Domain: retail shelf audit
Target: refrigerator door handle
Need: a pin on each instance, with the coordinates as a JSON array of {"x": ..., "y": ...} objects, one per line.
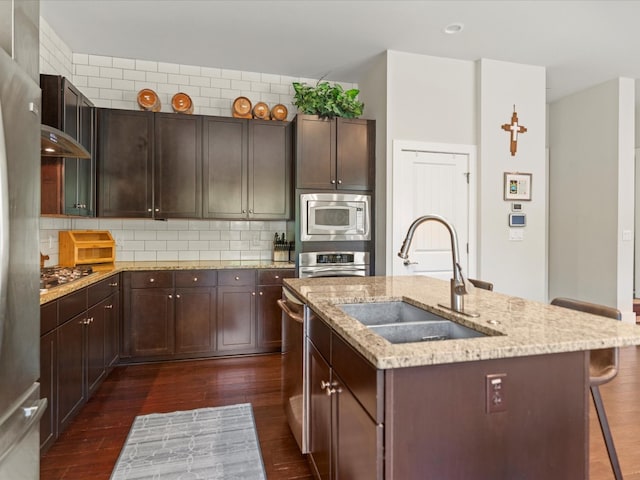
[
  {"x": 4, "y": 229},
  {"x": 20, "y": 424}
]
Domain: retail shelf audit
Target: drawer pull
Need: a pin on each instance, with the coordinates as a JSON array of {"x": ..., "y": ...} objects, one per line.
[
  {"x": 178, "y": 295},
  {"x": 108, "y": 307},
  {"x": 195, "y": 279},
  {"x": 170, "y": 296},
  {"x": 253, "y": 293},
  {"x": 114, "y": 284},
  {"x": 237, "y": 278},
  {"x": 151, "y": 280},
  {"x": 261, "y": 293},
  {"x": 276, "y": 277}
]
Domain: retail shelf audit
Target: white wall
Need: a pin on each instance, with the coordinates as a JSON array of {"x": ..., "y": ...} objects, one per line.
[
  {"x": 373, "y": 92},
  {"x": 448, "y": 101},
  {"x": 591, "y": 221},
  {"x": 515, "y": 267}
]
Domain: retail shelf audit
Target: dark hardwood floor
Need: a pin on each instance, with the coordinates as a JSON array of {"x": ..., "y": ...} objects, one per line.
[
  {"x": 91, "y": 445},
  {"x": 89, "y": 448}
]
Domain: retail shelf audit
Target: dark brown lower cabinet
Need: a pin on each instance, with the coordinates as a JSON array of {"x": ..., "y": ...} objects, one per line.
[
  {"x": 48, "y": 386},
  {"x": 236, "y": 318},
  {"x": 169, "y": 315},
  {"x": 78, "y": 346},
  {"x": 195, "y": 308},
  {"x": 268, "y": 313},
  {"x": 344, "y": 441},
  {"x": 151, "y": 322}
]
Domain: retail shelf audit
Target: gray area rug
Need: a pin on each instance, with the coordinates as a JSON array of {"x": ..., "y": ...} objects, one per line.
[{"x": 207, "y": 443}]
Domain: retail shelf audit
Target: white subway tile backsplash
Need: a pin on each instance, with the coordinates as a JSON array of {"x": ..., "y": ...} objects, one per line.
[
  {"x": 133, "y": 245},
  {"x": 190, "y": 70},
  {"x": 168, "y": 67},
  {"x": 198, "y": 245},
  {"x": 100, "y": 61},
  {"x": 80, "y": 59},
  {"x": 211, "y": 72},
  {"x": 251, "y": 76},
  {"x": 87, "y": 70},
  {"x": 210, "y": 255},
  {"x": 210, "y": 235},
  {"x": 200, "y": 81},
  {"x": 229, "y": 255},
  {"x": 145, "y": 235},
  {"x": 168, "y": 235},
  {"x": 178, "y": 245},
  {"x": 167, "y": 256},
  {"x": 218, "y": 245},
  {"x": 99, "y": 82},
  {"x": 146, "y": 66},
  {"x": 124, "y": 256},
  {"x": 230, "y": 235},
  {"x": 177, "y": 79},
  {"x": 120, "y": 84},
  {"x": 133, "y": 75},
  {"x": 231, "y": 74},
  {"x": 109, "y": 72},
  {"x": 241, "y": 85},
  {"x": 155, "y": 245},
  {"x": 156, "y": 77},
  {"x": 124, "y": 63},
  {"x": 110, "y": 94},
  {"x": 144, "y": 256},
  {"x": 270, "y": 78},
  {"x": 188, "y": 235},
  {"x": 188, "y": 256},
  {"x": 240, "y": 245}
]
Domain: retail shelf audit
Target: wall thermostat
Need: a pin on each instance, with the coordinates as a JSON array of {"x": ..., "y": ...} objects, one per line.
[
  {"x": 517, "y": 219},
  {"x": 516, "y": 207}
]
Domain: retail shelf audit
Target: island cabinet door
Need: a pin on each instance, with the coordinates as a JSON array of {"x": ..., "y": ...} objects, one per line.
[
  {"x": 320, "y": 418},
  {"x": 358, "y": 440}
]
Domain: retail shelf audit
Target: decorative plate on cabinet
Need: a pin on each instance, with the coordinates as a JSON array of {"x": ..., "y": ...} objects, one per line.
[
  {"x": 148, "y": 100},
  {"x": 181, "y": 103},
  {"x": 261, "y": 111},
  {"x": 279, "y": 112},
  {"x": 242, "y": 107}
]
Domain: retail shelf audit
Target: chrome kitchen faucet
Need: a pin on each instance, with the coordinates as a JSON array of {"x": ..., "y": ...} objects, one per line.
[{"x": 458, "y": 284}]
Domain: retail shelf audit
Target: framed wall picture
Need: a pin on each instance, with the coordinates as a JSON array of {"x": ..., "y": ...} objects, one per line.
[{"x": 517, "y": 186}]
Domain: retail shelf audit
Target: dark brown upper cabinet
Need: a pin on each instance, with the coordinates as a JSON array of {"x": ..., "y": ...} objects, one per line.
[
  {"x": 125, "y": 163},
  {"x": 334, "y": 154},
  {"x": 149, "y": 165},
  {"x": 68, "y": 184},
  {"x": 247, "y": 169}
]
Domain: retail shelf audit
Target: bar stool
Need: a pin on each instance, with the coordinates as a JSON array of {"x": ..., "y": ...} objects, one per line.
[
  {"x": 603, "y": 366},
  {"x": 481, "y": 284}
]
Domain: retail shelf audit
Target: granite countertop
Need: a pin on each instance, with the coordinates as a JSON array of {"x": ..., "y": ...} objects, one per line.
[
  {"x": 516, "y": 327},
  {"x": 105, "y": 270}
]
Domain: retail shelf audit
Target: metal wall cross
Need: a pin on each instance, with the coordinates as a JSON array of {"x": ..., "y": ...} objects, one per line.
[{"x": 515, "y": 129}]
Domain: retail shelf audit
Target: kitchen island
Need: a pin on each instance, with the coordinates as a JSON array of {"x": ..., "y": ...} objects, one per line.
[{"x": 428, "y": 409}]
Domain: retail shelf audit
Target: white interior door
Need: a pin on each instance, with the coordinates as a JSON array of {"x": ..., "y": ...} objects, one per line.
[{"x": 430, "y": 182}]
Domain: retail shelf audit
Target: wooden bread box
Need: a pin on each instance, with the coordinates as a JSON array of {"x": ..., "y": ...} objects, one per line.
[{"x": 78, "y": 247}]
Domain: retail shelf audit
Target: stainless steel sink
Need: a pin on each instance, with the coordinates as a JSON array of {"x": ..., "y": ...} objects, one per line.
[
  {"x": 401, "y": 322},
  {"x": 387, "y": 312},
  {"x": 428, "y": 331}
]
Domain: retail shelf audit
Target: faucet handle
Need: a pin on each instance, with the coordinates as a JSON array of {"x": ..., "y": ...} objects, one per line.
[{"x": 408, "y": 262}]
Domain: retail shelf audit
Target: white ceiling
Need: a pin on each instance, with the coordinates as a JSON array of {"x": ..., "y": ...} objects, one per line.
[{"x": 581, "y": 43}]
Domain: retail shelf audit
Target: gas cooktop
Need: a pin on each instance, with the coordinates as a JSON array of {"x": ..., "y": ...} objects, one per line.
[{"x": 54, "y": 276}]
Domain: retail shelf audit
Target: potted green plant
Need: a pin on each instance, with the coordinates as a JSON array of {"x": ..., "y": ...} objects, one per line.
[{"x": 327, "y": 101}]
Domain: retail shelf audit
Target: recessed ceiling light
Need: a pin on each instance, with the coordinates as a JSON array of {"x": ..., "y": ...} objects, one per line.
[{"x": 453, "y": 28}]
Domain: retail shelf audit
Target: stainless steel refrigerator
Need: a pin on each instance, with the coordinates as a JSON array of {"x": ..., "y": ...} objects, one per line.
[{"x": 20, "y": 405}]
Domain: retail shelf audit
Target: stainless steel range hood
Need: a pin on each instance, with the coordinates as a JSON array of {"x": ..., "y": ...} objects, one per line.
[{"x": 56, "y": 143}]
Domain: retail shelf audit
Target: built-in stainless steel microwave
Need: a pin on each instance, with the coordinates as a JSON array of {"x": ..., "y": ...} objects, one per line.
[{"x": 335, "y": 217}]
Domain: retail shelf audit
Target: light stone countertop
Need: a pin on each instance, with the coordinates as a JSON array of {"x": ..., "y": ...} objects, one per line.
[
  {"x": 525, "y": 327},
  {"x": 102, "y": 271}
]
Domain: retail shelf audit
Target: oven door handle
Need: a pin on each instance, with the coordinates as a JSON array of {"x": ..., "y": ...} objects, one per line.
[
  {"x": 290, "y": 313},
  {"x": 333, "y": 272}
]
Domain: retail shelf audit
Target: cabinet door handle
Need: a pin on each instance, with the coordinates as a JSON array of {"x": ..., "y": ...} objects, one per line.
[
  {"x": 330, "y": 388},
  {"x": 244, "y": 210},
  {"x": 108, "y": 307},
  {"x": 84, "y": 321},
  {"x": 253, "y": 293},
  {"x": 114, "y": 284},
  {"x": 151, "y": 280},
  {"x": 333, "y": 182},
  {"x": 277, "y": 277},
  {"x": 237, "y": 278},
  {"x": 178, "y": 295},
  {"x": 91, "y": 320},
  {"x": 195, "y": 279},
  {"x": 261, "y": 293},
  {"x": 250, "y": 211},
  {"x": 339, "y": 182},
  {"x": 157, "y": 209},
  {"x": 170, "y": 296},
  {"x": 149, "y": 210}
]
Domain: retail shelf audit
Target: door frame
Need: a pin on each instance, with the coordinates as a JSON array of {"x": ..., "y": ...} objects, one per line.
[{"x": 430, "y": 147}]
